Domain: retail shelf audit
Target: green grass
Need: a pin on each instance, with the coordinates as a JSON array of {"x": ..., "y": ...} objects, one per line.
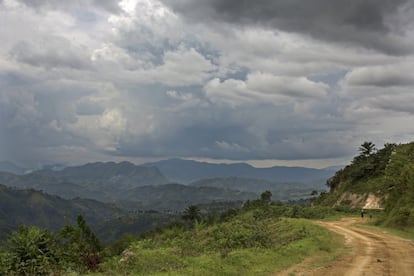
[
  {"x": 245, "y": 245},
  {"x": 406, "y": 234}
]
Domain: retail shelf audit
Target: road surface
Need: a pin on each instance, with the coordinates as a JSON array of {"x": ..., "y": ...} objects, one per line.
[{"x": 371, "y": 253}]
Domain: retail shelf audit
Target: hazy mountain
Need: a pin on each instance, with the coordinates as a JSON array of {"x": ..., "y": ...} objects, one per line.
[
  {"x": 7, "y": 166},
  {"x": 122, "y": 184},
  {"x": 49, "y": 184},
  {"x": 123, "y": 175},
  {"x": 33, "y": 207},
  {"x": 186, "y": 171},
  {"x": 280, "y": 190},
  {"x": 100, "y": 181},
  {"x": 239, "y": 183},
  {"x": 334, "y": 168},
  {"x": 178, "y": 196}
]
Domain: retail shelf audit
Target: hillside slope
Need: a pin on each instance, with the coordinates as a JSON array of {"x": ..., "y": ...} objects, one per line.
[
  {"x": 33, "y": 207},
  {"x": 178, "y": 196},
  {"x": 100, "y": 181},
  {"x": 385, "y": 175}
]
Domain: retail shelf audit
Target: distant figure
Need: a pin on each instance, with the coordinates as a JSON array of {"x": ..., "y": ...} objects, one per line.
[{"x": 362, "y": 213}]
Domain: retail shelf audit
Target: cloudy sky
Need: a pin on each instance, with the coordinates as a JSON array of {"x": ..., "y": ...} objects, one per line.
[{"x": 296, "y": 82}]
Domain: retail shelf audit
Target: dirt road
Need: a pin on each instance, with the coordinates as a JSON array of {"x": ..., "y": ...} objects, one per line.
[{"x": 371, "y": 253}]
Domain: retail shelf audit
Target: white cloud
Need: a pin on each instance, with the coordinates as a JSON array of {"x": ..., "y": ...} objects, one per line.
[
  {"x": 181, "y": 67},
  {"x": 264, "y": 88},
  {"x": 399, "y": 74}
]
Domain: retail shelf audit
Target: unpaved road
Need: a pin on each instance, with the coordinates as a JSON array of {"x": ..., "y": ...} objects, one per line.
[{"x": 371, "y": 253}]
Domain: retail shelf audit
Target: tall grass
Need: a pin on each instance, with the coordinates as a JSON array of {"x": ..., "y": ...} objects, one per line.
[{"x": 254, "y": 242}]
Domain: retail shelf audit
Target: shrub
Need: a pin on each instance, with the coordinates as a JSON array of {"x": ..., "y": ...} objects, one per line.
[{"x": 32, "y": 251}]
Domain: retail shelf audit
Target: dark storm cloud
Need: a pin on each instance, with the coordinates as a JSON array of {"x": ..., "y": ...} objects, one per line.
[
  {"x": 354, "y": 21},
  {"x": 238, "y": 134},
  {"x": 108, "y": 5}
]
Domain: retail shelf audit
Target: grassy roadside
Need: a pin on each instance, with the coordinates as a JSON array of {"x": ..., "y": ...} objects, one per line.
[
  {"x": 245, "y": 245},
  {"x": 406, "y": 234}
]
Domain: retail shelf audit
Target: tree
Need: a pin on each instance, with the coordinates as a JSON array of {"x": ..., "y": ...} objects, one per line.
[
  {"x": 192, "y": 213},
  {"x": 80, "y": 247},
  {"x": 266, "y": 196},
  {"x": 367, "y": 148}
]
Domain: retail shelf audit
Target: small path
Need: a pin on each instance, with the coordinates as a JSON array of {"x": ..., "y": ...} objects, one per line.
[{"x": 371, "y": 253}]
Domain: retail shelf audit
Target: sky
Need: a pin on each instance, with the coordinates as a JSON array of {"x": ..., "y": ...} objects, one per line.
[{"x": 270, "y": 82}]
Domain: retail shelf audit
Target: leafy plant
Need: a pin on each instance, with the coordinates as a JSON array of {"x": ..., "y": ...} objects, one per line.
[
  {"x": 35, "y": 251},
  {"x": 80, "y": 247},
  {"x": 31, "y": 251}
]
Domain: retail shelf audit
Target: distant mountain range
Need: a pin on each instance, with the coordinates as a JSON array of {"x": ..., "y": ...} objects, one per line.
[
  {"x": 125, "y": 184},
  {"x": 50, "y": 197},
  {"x": 280, "y": 190},
  {"x": 123, "y": 175},
  {"x": 150, "y": 186},
  {"x": 7, "y": 166},
  {"x": 100, "y": 181},
  {"x": 186, "y": 171}
]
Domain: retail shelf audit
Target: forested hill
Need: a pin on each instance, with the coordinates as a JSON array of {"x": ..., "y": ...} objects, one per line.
[
  {"x": 385, "y": 174},
  {"x": 100, "y": 181},
  {"x": 33, "y": 207}
]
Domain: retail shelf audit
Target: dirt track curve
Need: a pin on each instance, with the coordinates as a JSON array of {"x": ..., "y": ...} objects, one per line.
[{"x": 371, "y": 253}]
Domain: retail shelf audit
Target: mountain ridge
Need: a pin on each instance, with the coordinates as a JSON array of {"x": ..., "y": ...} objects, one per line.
[{"x": 186, "y": 171}]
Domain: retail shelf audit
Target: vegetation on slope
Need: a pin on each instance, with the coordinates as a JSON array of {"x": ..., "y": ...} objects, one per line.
[
  {"x": 35, "y": 251},
  {"x": 36, "y": 208},
  {"x": 178, "y": 196},
  {"x": 100, "y": 181},
  {"x": 386, "y": 172},
  {"x": 259, "y": 238},
  {"x": 32, "y": 207}
]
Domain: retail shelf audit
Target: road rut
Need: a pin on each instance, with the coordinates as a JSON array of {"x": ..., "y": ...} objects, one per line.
[{"x": 371, "y": 253}]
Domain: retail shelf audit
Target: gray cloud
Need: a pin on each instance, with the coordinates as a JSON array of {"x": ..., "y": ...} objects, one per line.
[
  {"x": 109, "y": 5},
  {"x": 255, "y": 80},
  {"x": 87, "y": 107},
  {"x": 357, "y": 22},
  {"x": 54, "y": 52},
  {"x": 400, "y": 74}
]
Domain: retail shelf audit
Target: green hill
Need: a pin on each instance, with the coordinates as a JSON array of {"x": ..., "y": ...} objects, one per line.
[
  {"x": 100, "y": 181},
  {"x": 376, "y": 179},
  {"x": 31, "y": 207},
  {"x": 178, "y": 196},
  {"x": 36, "y": 208}
]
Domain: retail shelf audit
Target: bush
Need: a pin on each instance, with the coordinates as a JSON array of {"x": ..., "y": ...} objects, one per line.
[
  {"x": 31, "y": 251},
  {"x": 35, "y": 251}
]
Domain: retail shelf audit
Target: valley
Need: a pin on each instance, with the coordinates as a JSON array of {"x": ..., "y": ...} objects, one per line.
[{"x": 150, "y": 225}]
